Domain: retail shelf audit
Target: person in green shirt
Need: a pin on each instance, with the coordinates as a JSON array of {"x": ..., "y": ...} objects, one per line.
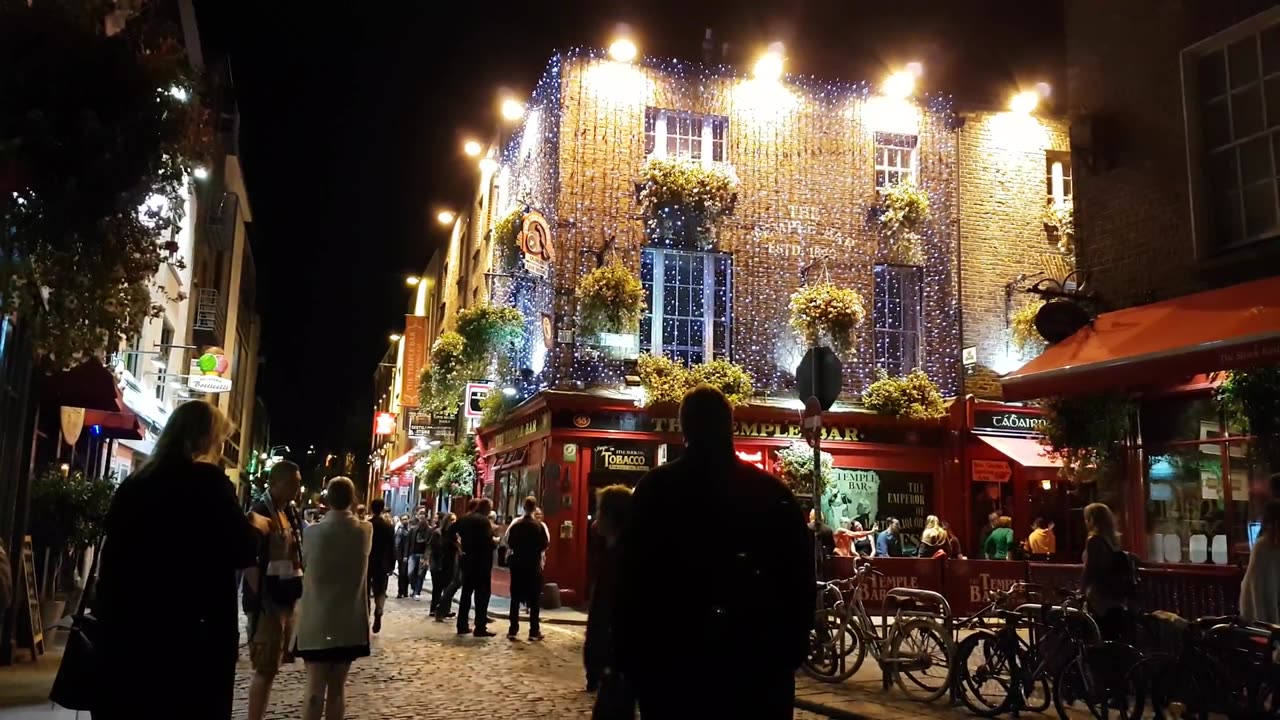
[{"x": 1000, "y": 540}]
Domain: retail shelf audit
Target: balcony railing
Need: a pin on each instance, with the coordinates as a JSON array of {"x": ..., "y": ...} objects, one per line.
[
  {"x": 211, "y": 320},
  {"x": 221, "y": 223}
]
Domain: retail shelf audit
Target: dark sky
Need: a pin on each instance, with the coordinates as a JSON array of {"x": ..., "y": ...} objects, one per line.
[{"x": 353, "y": 115}]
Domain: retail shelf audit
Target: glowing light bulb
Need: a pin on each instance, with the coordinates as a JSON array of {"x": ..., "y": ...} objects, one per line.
[
  {"x": 472, "y": 148},
  {"x": 446, "y": 217},
  {"x": 622, "y": 50},
  {"x": 769, "y": 65},
  {"x": 1024, "y": 102},
  {"x": 900, "y": 85},
  {"x": 512, "y": 109}
]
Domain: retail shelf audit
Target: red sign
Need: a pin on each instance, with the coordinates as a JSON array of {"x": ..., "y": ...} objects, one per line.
[
  {"x": 384, "y": 423},
  {"x": 386, "y": 486},
  {"x": 415, "y": 355},
  {"x": 991, "y": 471},
  {"x": 754, "y": 458}
]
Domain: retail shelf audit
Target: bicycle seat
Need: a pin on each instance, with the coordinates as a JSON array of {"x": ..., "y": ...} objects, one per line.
[{"x": 1209, "y": 621}]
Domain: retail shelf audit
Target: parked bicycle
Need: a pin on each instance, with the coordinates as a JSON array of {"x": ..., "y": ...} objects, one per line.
[{"x": 995, "y": 668}]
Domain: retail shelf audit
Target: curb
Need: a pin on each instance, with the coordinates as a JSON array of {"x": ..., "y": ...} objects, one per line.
[{"x": 827, "y": 710}]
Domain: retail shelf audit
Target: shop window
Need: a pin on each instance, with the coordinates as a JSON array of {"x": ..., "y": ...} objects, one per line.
[
  {"x": 692, "y": 136},
  {"x": 1057, "y": 176},
  {"x": 689, "y": 304},
  {"x": 896, "y": 311},
  {"x": 1179, "y": 418},
  {"x": 895, "y": 159},
  {"x": 1186, "y": 505}
]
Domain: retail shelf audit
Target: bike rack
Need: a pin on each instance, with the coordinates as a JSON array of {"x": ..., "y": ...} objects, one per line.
[{"x": 937, "y": 609}]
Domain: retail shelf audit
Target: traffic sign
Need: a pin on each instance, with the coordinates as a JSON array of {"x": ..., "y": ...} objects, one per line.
[{"x": 829, "y": 376}]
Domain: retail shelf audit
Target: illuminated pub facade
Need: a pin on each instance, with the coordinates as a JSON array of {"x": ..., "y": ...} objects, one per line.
[{"x": 812, "y": 162}]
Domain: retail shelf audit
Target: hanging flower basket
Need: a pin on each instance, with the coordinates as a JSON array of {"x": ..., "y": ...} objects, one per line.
[
  {"x": 729, "y": 378},
  {"x": 442, "y": 380},
  {"x": 913, "y": 396},
  {"x": 904, "y": 215},
  {"x": 505, "y": 236},
  {"x": 795, "y": 468},
  {"x": 610, "y": 301},
  {"x": 824, "y": 311},
  {"x": 665, "y": 381},
  {"x": 683, "y": 200},
  {"x": 1022, "y": 330},
  {"x": 1059, "y": 222},
  {"x": 488, "y": 331}
]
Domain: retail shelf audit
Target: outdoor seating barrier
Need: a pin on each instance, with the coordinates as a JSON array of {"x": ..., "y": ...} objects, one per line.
[{"x": 1188, "y": 590}]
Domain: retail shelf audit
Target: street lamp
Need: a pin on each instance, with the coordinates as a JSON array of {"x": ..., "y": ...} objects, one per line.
[
  {"x": 769, "y": 65},
  {"x": 412, "y": 280},
  {"x": 488, "y": 165},
  {"x": 512, "y": 109},
  {"x": 472, "y": 148},
  {"x": 394, "y": 337},
  {"x": 200, "y": 172},
  {"x": 1024, "y": 103},
  {"x": 622, "y": 50},
  {"x": 446, "y": 217},
  {"x": 900, "y": 85}
]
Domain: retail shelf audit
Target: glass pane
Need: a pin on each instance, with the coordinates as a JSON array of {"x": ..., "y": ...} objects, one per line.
[
  {"x": 1228, "y": 217},
  {"x": 694, "y": 357},
  {"x": 682, "y": 308},
  {"x": 696, "y": 338},
  {"x": 682, "y": 332},
  {"x": 721, "y": 338},
  {"x": 1178, "y": 418},
  {"x": 669, "y": 300},
  {"x": 646, "y": 266},
  {"x": 1246, "y": 111},
  {"x": 1223, "y": 171},
  {"x": 1185, "y": 503},
  {"x": 1213, "y": 75},
  {"x": 646, "y": 332},
  {"x": 1255, "y": 161},
  {"x": 696, "y": 307},
  {"x": 1217, "y": 124},
  {"x": 1259, "y": 209},
  {"x": 1271, "y": 50},
  {"x": 1272, "y": 91},
  {"x": 1242, "y": 55}
]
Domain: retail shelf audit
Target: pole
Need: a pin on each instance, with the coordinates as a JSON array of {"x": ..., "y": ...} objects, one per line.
[{"x": 817, "y": 479}]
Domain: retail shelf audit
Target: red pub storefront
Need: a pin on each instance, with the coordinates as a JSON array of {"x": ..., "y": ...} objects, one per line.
[{"x": 563, "y": 446}]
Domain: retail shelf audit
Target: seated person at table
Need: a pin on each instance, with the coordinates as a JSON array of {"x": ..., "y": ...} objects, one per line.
[
  {"x": 933, "y": 539},
  {"x": 1041, "y": 543},
  {"x": 889, "y": 542},
  {"x": 1000, "y": 541},
  {"x": 864, "y": 541}
]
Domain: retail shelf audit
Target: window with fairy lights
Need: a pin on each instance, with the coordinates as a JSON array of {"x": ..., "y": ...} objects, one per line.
[
  {"x": 895, "y": 159},
  {"x": 689, "y": 304},
  {"x": 693, "y": 136},
  {"x": 896, "y": 311}
]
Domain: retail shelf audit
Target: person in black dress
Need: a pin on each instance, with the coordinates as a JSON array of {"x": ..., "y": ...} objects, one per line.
[{"x": 164, "y": 655}]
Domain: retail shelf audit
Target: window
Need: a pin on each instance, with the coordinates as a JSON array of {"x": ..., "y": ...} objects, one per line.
[
  {"x": 670, "y": 133},
  {"x": 896, "y": 312},
  {"x": 133, "y": 356},
  {"x": 690, "y": 296},
  {"x": 895, "y": 159},
  {"x": 1057, "y": 176},
  {"x": 1234, "y": 85},
  {"x": 165, "y": 350}
]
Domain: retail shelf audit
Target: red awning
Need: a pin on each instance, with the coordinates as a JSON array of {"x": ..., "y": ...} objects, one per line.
[
  {"x": 1027, "y": 452},
  {"x": 1161, "y": 343},
  {"x": 122, "y": 425}
]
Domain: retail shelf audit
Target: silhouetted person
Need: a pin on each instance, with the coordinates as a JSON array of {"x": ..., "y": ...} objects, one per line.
[
  {"x": 476, "y": 532},
  {"x": 527, "y": 539},
  {"x": 746, "y": 599},
  {"x": 382, "y": 559}
]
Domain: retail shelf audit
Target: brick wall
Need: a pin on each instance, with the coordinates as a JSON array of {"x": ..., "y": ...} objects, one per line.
[{"x": 1002, "y": 235}]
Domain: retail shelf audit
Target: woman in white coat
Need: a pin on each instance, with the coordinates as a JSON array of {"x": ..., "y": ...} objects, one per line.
[
  {"x": 333, "y": 613},
  {"x": 1260, "y": 589}
]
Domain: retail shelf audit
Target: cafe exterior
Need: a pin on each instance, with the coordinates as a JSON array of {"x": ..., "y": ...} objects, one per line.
[{"x": 562, "y": 447}]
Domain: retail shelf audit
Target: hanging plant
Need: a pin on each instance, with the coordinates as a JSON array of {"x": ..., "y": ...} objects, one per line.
[
  {"x": 664, "y": 380},
  {"x": 449, "y": 469},
  {"x": 912, "y": 396},
  {"x": 495, "y": 407},
  {"x": 610, "y": 300},
  {"x": 1086, "y": 431},
  {"x": 684, "y": 200},
  {"x": 729, "y": 378},
  {"x": 488, "y": 331},
  {"x": 444, "y": 377},
  {"x": 795, "y": 468},
  {"x": 505, "y": 236},
  {"x": 1022, "y": 330},
  {"x": 1059, "y": 222},
  {"x": 1251, "y": 400},
  {"x": 825, "y": 311},
  {"x": 904, "y": 214}
]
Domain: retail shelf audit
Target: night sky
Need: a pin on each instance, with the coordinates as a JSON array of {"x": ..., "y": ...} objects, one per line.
[{"x": 353, "y": 115}]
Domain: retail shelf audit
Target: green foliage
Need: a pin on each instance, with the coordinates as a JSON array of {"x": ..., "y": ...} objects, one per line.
[
  {"x": 904, "y": 212},
  {"x": 610, "y": 300},
  {"x": 665, "y": 381},
  {"x": 487, "y": 331},
  {"x": 91, "y": 182},
  {"x": 450, "y": 469},
  {"x": 1085, "y": 431},
  {"x": 67, "y": 514},
  {"x": 685, "y": 200},
  {"x": 731, "y": 379},
  {"x": 445, "y": 376},
  {"x": 1022, "y": 329},
  {"x": 495, "y": 406},
  {"x": 824, "y": 310},
  {"x": 912, "y": 396},
  {"x": 795, "y": 468},
  {"x": 1059, "y": 219},
  {"x": 505, "y": 235},
  {"x": 1251, "y": 399}
]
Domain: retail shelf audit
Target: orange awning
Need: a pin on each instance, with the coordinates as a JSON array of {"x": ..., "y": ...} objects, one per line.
[
  {"x": 121, "y": 425},
  {"x": 1027, "y": 452},
  {"x": 1161, "y": 343}
]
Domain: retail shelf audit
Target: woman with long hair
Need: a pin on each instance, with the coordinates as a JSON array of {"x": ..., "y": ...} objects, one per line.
[
  {"x": 1108, "y": 578},
  {"x": 1260, "y": 589},
  {"x": 147, "y": 558},
  {"x": 333, "y": 623},
  {"x": 613, "y": 506},
  {"x": 932, "y": 539}
]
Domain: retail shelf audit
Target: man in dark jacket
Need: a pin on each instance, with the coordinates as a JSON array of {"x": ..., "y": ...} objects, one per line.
[
  {"x": 476, "y": 532},
  {"x": 402, "y": 557},
  {"x": 527, "y": 539},
  {"x": 382, "y": 559},
  {"x": 419, "y": 539},
  {"x": 726, "y": 582}
]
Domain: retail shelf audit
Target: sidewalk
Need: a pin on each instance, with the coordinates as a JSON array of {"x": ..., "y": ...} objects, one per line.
[
  {"x": 28, "y": 683},
  {"x": 500, "y": 606}
]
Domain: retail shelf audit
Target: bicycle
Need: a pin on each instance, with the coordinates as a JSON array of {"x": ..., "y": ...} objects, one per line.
[
  {"x": 1009, "y": 669},
  {"x": 910, "y": 652},
  {"x": 1096, "y": 674}
]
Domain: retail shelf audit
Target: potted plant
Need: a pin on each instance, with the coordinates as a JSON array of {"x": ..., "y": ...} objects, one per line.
[
  {"x": 911, "y": 396},
  {"x": 505, "y": 236},
  {"x": 610, "y": 302},
  {"x": 67, "y": 515},
  {"x": 487, "y": 330},
  {"x": 443, "y": 378},
  {"x": 729, "y": 378},
  {"x": 1059, "y": 222},
  {"x": 663, "y": 380},
  {"x": 904, "y": 215},
  {"x": 824, "y": 311},
  {"x": 683, "y": 200},
  {"x": 795, "y": 468}
]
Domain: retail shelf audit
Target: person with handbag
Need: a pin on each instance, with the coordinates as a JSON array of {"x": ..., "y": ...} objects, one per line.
[
  {"x": 273, "y": 587},
  {"x": 333, "y": 614},
  {"x": 191, "y": 674}
]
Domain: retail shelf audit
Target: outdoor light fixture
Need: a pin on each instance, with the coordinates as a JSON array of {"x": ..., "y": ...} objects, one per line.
[
  {"x": 472, "y": 148},
  {"x": 512, "y": 109},
  {"x": 412, "y": 280},
  {"x": 179, "y": 93},
  {"x": 1024, "y": 102},
  {"x": 434, "y": 443},
  {"x": 622, "y": 50},
  {"x": 1046, "y": 484},
  {"x": 509, "y": 391},
  {"x": 900, "y": 85},
  {"x": 394, "y": 337},
  {"x": 769, "y": 65},
  {"x": 488, "y": 165},
  {"x": 200, "y": 173},
  {"x": 446, "y": 217}
]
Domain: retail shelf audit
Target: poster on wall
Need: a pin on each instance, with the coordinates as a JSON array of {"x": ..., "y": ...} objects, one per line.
[{"x": 869, "y": 496}]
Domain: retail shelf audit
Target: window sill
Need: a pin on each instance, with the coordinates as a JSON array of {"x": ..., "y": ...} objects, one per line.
[{"x": 1239, "y": 263}]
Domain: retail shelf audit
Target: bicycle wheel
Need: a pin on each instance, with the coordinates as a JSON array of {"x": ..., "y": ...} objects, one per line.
[
  {"x": 1078, "y": 687},
  {"x": 920, "y": 659},
  {"x": 982, "y": 674},
  {"x": 836, "y": 650}
]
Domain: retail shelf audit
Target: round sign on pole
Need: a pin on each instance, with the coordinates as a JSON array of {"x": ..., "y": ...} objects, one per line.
[{"x": 820, "y": 376}]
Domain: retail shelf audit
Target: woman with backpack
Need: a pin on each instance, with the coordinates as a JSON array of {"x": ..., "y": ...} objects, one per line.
[{"x": 1110, "y": 573}]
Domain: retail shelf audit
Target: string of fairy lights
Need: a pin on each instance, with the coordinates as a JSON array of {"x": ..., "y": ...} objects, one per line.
[{"x": 803, "y": 150}]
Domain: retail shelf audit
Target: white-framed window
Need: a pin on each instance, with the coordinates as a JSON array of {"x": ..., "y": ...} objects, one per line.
[
  {"x": 694, "y": 136},
  {"x": 895, "y": 159},
  {"x": 1231, "y": 95},
  {"x": 896, "y": 311},
  {"x": 133, "y": 356},
  {"x": 690, "y": 300},
  {"x": 1057, "y": 177},
  {"x": 165, "y": 352}
]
